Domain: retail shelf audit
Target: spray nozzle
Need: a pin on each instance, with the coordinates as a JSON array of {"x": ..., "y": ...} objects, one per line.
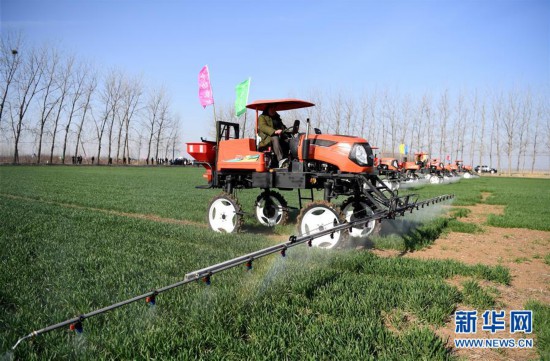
[
  {"x": 283, "y": 251},
  {"x": 151, "y": 300},
  {"x": 77, "y": 326},
  {"x": 206, "y": 279},
  {"x": 248, "y": 264},
  {"x": 309, "y": 242}
]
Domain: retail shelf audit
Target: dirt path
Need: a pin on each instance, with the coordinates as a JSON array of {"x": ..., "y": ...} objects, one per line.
[{"x": 520, "y": 250}]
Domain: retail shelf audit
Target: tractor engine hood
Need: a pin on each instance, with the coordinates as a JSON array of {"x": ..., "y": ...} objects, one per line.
[{"x": 347, "y": 153}]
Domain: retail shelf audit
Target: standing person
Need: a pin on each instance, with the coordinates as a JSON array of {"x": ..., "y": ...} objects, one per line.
[
  {"x": 93, "y": 158},
  {"x": 270, "y": 130}
]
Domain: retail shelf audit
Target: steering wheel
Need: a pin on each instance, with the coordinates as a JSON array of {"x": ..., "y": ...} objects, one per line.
[{"x": 290, "y": 132}]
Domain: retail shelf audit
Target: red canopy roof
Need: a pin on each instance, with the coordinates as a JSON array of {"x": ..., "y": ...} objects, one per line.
[{"x": 279, "y": 104}]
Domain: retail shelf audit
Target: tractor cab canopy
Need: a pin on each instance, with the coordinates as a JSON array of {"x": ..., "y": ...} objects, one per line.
[{"x": 278, "y": 105}]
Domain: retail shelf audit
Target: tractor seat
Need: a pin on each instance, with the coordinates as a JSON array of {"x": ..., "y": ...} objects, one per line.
[{"x": 261, "y": 149}]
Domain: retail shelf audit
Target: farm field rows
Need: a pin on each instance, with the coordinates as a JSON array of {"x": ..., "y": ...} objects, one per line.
[{"x": 75, "y": 239}]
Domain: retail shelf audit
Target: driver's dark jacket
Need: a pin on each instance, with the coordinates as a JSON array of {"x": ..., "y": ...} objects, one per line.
[{"x": 266, "y": 128}]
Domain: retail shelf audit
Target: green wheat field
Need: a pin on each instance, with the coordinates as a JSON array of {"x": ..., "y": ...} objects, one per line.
[{"x": 75, "y": 239}]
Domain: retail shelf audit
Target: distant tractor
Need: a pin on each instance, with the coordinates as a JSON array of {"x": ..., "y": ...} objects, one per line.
[
  {"x": 388, "y": 169},
  {"x": 436, "y": 171},
  {"x": 410, "y": 169},
  {"x": 465, "y": 170},
  {"x": 450, "y": 170}
]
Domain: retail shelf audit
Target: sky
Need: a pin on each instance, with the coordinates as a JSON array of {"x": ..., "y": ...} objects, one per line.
[{"x": 288, "y": 48}]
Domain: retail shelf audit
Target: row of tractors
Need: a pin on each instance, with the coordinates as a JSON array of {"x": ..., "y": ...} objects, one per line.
[{"x": 393, "y": 172}]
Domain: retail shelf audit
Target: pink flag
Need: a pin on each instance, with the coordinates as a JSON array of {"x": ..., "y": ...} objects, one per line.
[{"x": 205, "y": 89}]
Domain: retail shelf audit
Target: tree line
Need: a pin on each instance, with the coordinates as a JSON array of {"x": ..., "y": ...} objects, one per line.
[
  {"x": 508, "y": 129},
  {"x": 57, "y": 102}
]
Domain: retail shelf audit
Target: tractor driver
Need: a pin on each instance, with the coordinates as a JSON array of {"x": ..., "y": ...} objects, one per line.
[{"x": 270, "y": 130}]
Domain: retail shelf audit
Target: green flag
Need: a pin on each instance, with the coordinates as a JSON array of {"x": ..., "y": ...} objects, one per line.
[{"x": 242, "y": 97}]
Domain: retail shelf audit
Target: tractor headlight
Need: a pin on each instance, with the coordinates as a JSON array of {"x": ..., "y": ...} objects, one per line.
[{"x": 360, "y": 155}]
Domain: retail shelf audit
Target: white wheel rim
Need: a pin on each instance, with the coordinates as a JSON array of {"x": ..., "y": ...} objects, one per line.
[
  {"x": 222, "y": 216},
  {"x": 319, "y": 219},
  {"x": 264, "y": 218},
  {"x": 395, "y": 185},
  {"x": 359, "y": 231},
  {"x": 434, "y": 179}
]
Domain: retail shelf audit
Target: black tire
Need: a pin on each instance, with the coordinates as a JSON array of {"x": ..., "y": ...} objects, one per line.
[
  {"x": 273, "y": 214},
  {"x": 362, "y": 212}
]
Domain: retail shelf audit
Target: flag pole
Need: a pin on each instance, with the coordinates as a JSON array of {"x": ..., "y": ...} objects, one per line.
[
  {"x": 213, "y": 105},
  {"x": 245, "y": 111}
]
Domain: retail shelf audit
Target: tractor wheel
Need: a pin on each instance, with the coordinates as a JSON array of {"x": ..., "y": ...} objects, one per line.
[
  {"x": 395, "y": 184},
  {"x": 224, "y": 214},
  {"x": 435, "y": 179},
  {"x": 467, "y": 175},
  {"x": 356, "y": 210},
  {"x": 319, "y": 216},
  {"x": 271, "y": 209}
]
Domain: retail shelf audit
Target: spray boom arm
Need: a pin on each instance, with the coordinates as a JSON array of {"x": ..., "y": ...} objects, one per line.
[{"x": 205, "y": 274}]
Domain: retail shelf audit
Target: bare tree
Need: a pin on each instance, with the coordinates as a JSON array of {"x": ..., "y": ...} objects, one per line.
[
  {"x": 473, "y": 126},
  {"x": 457, "y": 142},
  {"x": 509, "y": 122},
  {"x": 318, "y": 113},
  {"x": 363, "y": 116},
  {"x": 131, "y": 97},
  {"x": 152, "y": 113},
  {"x": 28, "y": 88},
  {"x": 336, "y": 106},
  {"x": 10, "y": 62},
  {"x": 403, "y": 125},
  {"x": 524, "y": 121},
  {"x": 76, "y": 91},
  {"x": 417, "y": 129},
  {"x": 374, "y": 123},
  {"x": 174, "y": 137},
  {"x": 63, "y": 79},
  {"x": 116, "y": 100},
  {"x": 48, "y": 90},
  {"x": 539, "y": 114},
  {"x": 428, "y": 116},
  {"x": 498, "y": 115},
  {"x": 163, "y": 122},
  {"x": 110, "y": 96},
  {"x": 349, "y": 112},
  {"x": 89, "y": 89},
  {"x": 444, "y": 114},
  {"x": 482, "y": 132}
]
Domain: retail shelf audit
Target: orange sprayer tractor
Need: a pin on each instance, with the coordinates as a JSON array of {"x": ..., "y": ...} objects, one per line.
[
  {"x": 436, "y": 171},
  {"x": 466, "y": 170},
  {"x": 410, "y": 170},
  {"x": 388, "y": 169},
  {"x": 339, "y": 165},
  {"x": 450, "y": 170}
]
